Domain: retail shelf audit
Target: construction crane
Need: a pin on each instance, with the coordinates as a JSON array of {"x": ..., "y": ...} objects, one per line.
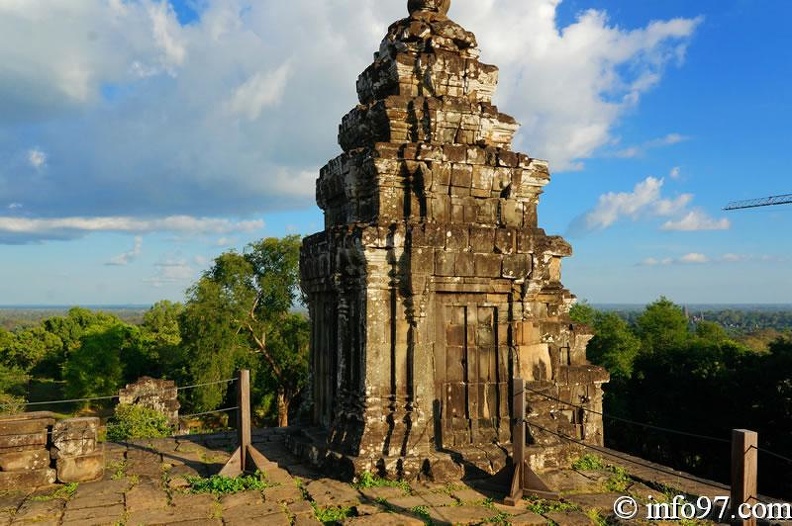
[{"x": 764, "y": 201}]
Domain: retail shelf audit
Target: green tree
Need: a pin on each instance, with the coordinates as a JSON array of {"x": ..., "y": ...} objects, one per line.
[
  {"x": 614, "y": 346},
  {"x": 662, "y": 326},
  {"x": 70, "y": 329},
  {"x": 161, "y": 342},
  {"x": 711, "y": 332},
  {"x": 95, "y": 368},
  {"x": 240, "y": 308},
  {"x": 583, "y": 313}
]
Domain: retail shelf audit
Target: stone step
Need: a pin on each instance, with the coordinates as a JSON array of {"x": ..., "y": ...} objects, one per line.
[{"x": 15, "y": 480}]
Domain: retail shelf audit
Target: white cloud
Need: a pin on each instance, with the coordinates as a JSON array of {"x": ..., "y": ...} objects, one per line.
[
  {"x": 697, "y": 220},
  {"x": 37, "y": 158},
  {"x": 167, "y": 35},
  {"x": 165, "y": 119},
  {"x": 637, "y": 151},
  {"x": 15, "y": 206},
  {"x": 694, "y": 257},
  {"x": 261, "y": 90},
  {"x": 697, "y": 258},
  {"x": 127, "y": 257},
  {"x": 75, "y": 226},
  {"x": 569, "y": 86},
  {"x": 675, "y": 173},
  {"x": 645, "y": 200}
]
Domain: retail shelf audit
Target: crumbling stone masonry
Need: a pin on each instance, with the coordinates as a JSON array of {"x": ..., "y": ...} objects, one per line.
[
  {"x": 432, "y": 285},
  {"x": 36, "y": 449},
  {"x": 157, "y": 394}
]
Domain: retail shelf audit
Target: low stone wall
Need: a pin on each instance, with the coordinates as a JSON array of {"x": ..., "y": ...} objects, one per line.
[{"x": 36, "y": 449}]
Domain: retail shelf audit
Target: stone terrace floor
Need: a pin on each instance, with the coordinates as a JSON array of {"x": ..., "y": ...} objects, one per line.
[{"x": 145, "y": 484}]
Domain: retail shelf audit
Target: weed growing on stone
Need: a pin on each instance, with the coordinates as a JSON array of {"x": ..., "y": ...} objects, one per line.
[
  {"x": 618, "y": 481},
  {"x": 589, "y": 462},
  {"x": 422, "y": 512},
  {"x": 596, "y": 517},
  {"x": 543, "y": 506},
  {"x": 500, "y": 517},
  {"x": 65, "y": 492},
  {"x": 370, "y": 480},
  {"x": 221, "y": 485},
  {"x": 332, "y": 514},
  {"x": 118, "y": 469}
]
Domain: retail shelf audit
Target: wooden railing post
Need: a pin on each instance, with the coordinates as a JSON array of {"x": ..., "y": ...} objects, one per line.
[
  {"x": 744, "y": 466},
  {"x": 243, "y": 414},
  {"x": 246, "y": 457},
  {"x": 518, "y": 441}
]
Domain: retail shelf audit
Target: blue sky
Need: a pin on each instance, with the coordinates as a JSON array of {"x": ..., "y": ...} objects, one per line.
[{"x": 139, "y": 139}]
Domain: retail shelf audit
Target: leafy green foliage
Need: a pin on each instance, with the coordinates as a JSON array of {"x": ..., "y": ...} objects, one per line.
[
  {"x": 238, "y": 313},
  {"x": 94, "y": 367},
  {"x": 662, "y": 326},
  {"x": 676, "y": 373},
  {"x": 64, "y": 492},
  {"x": 588, "y": 462},
  {"x": 422, "y": 512},
  {"x": 618, "y": 481},
  {"x": 614, "y": 346},
  {"x": 221, "y": 485},
  {"x": 135, "y": 421},
  {"x": 332, "y": 514},
  {"x": 370, "y": 480}
]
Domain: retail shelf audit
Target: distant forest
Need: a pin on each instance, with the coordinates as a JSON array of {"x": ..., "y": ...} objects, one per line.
[{"x": 682, "y": 379}]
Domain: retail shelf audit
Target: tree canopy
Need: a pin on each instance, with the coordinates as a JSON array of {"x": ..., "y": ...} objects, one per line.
[{"x": 238, "y": 312}]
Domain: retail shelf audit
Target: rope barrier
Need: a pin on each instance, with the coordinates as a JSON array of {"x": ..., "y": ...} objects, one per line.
[
  {"x": 228, "y": 381},
  {"x": 96, "y": 398},
  {"x": 677, "y": 474},
  {"x": 772, "y": 454},
  {"x": 627, "y": 421},
  {"x": 224, "y": 410},
  {"x": 71, "y": 401}
]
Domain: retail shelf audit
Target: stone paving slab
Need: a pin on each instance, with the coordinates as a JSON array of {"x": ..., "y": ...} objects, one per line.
[
  {"x": 94, "y": 516},
  {"x": 148, "y": 487},
  {"x": 424, "y": 499},
  {"x": 146, "y": 495},
  {"x": 468, "y": 495},
  {"x": 527, "y": 518},
  {"x": 465, "y": 514},
  {"x": 305, "y": 519},
  {"x": 40, "y": 510},
  {"x": 328, "y": 492},
  {"x": 385, "y": 493},
  {"x": 569, "y": 518},
  {"x": 384, "y": 519}
]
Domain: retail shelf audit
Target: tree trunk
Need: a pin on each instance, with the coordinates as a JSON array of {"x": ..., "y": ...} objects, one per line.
[{"x": 283, "y": 407}]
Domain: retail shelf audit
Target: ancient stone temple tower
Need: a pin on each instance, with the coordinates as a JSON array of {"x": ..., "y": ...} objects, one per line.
[{"x": 432, "y": 285}]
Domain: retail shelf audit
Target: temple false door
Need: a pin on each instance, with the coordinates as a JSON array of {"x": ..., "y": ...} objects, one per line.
[{"x": 472, "y": 359}]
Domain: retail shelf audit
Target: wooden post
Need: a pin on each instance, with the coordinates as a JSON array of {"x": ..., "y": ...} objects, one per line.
[
  {"x": 518, "y": 441},
  {"x": 243, "y": 415},
  {"x": 744, "y": 466},
  {"x": 245, "y": 455}
]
